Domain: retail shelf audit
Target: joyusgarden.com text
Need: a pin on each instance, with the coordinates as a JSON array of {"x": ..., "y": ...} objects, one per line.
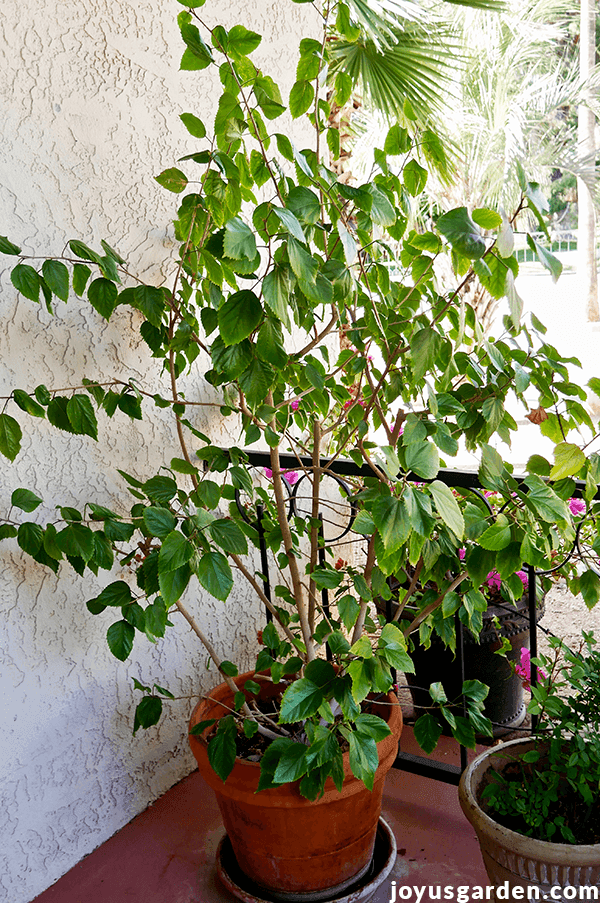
[{"x": 465, "y": 894}]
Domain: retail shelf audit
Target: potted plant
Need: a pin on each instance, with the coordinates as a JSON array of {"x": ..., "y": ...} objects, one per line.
[
  {"x": 489, "y": 656},
  {"x": 534, "y": 802},
  {"x": 492, "y": 651},
  {"x": 310, "y": 309}
]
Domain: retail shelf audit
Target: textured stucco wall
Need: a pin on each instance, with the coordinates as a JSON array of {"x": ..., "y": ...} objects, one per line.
[{"x": 90, "y": 95}]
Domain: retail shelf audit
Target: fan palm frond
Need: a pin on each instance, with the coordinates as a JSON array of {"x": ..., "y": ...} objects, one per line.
[{"x": 418, "y": 66}]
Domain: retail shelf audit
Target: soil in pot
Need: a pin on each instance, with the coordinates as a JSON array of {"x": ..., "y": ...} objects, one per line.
[{"x": 283, "y": 842}]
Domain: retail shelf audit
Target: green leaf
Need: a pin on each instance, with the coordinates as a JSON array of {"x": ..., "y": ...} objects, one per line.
[
  {"x": 215, "y": 574},
  {"x": 462, "y": 233},
  {"x": 115, "y": 595},
  {"x": 159, "y": 521},
  {"x": 228, "y": 668},
  {"x": 173, "y": 583},
  {"x": 119, "y": 637},
  {"x": 81, "y": 416},
  {"x": 276, "y": 292},
  {"x": 290, "y": 223},
  {"x": 544, "y": 500},
  {"x": 30, "y": 537},
  {"x": 242, "y": 41},
  {"x": 81, "y": 250},
  {"x": 546, "y": 258},
  {"x": 486, "y": 218},
  {"x": 25, "y": 500},
  {"x": 424, "y": 349},
  {"x": 227, "y": 534},
  {"x": 497, "y": 536},
  {"x": 414, "y": 177},
  {"x": 568, "y": 461},
  {"x": 427, "y": 732},
  {"x": 28, "y": 404},
  {"x": 194, "y": 125},
  {"x": 158, "y": 488},
  {"x": 364, "y": 758},
  {"x": 304, "y": 204},
  {"x": 81, "y": 274},
  {"x": 57, "y": 278},
  {"x": 397, "y": 141},
  {"x": 7, "y": 247},
  {"x": 173, "y": 180},
  {"x": 239, "y": 317},
  {"x": 175, "y": 551},
  {"x": 77, "y": 541},
  {"x": 448, "y": 508},
  {"x": 147, "y": 712},
  {"x": 303, "y": 265},
  {"x": 26, "y": 281},
  {"x": 422, "y": 458},
  {"x": 301, "y": 700},
  {"x": 292, "y": 764},
  {"x": 10, "y": 437},
  {"x": 239, "y": 240},
  {"x": 382, "y": 211},
  {"x": 589, "y": 586},
  {"x": 348, "y": 609},
  {"x": 151, "y": 301},
  {"x": 102, "y": 295},
  {"x": 221, "y": 749},
  {"x": 391, "y": 518},
  {"x": 301, "y": 97}
]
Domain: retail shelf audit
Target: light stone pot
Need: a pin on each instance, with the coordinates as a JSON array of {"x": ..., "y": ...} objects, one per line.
[{"x": 514, "y": 860}]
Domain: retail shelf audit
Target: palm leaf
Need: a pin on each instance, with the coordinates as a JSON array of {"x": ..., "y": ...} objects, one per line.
[{"x": 417, "y": 67}]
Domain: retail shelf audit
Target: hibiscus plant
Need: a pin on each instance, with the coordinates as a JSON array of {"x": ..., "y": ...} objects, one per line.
[{"x": 310, "y": 311}]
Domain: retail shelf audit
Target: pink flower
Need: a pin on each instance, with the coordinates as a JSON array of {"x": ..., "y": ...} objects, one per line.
[
  {"x": 295, "y": 404},
  {"x": 577, "y": 506},
  {"x": 493, "y": 580},
  {"x": 524, "y": 668},
  {"x": 290, "y": 476},
  {"x": 462, "y": 553}
]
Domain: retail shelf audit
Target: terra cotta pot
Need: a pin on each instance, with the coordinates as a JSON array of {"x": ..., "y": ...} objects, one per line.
[{"x": 283, "y": 842}]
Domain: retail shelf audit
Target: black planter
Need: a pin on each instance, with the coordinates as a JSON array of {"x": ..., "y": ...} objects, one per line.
[{"x": 505, "y": 703}]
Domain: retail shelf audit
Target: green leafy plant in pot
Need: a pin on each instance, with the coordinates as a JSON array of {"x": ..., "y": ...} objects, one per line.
[
  {"x": 534, "y": 802},
  {"x": 311, "y": 310}
]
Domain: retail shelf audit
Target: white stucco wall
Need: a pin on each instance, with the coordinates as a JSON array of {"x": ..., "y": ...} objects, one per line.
[{"x": 90, "y": 95}]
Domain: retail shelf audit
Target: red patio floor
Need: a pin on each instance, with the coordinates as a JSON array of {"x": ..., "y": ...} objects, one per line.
[{"x": 166, "y": 854}]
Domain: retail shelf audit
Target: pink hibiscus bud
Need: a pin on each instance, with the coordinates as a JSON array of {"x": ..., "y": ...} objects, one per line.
[
  {"x": 493, "y": 580},
  {"x": 295, "y": 404},
  {"x": 576, "y": 506}
]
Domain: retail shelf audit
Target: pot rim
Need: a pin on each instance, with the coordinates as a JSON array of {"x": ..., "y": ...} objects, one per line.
[
  {"x": 572, "y": 854},
  {"x": 395, "y": 722}
]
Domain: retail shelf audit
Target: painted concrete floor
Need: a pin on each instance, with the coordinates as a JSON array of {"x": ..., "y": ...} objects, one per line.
[{"x": 166, "y": 854}]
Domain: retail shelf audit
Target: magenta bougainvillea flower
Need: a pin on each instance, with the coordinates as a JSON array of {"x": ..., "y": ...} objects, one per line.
[
  {"x": 295, "y": 404},
  {"x": 290, "y": 476},
  {"x": 576, "y": 506},
  {"x": 524, "y": 668},
  {"x": 493, "y": 580}
]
